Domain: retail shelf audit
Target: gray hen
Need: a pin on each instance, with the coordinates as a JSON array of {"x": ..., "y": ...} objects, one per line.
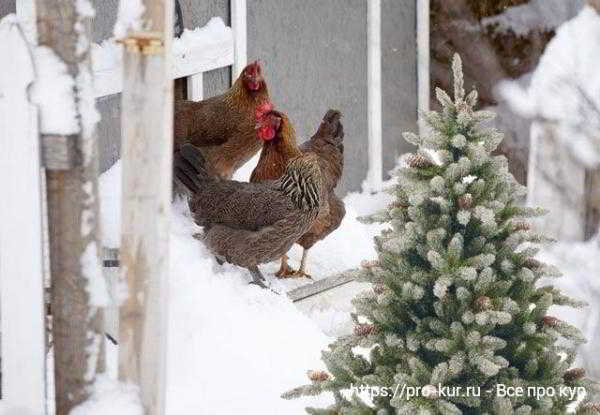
[{"x": 247, "y": 224}]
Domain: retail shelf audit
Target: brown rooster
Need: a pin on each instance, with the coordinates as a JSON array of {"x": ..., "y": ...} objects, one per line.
[
  {"x": 279, "y": 137},
  {"x": 248, "y": 224},
  {"x": 224, "y": 126}
]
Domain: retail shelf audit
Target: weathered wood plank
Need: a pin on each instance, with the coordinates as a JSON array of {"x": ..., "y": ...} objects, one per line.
[
  {"x": 147, "y": 118},
  {"x": 72, "y": 194},
  {"x": 21, "y": 253}
]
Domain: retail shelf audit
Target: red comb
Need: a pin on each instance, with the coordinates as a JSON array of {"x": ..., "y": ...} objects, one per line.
[
  {"x": 264, "y": 108},
  {"x": 253, "y": 68}
]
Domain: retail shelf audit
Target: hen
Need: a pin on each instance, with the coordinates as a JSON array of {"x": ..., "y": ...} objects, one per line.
[
  {"x": 279, "y": 137},
  {"x": 224, "y": 126},
  {"x": 247, "y": 224}
]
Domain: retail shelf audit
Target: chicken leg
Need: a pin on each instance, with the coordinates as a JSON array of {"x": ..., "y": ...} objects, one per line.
[
  {"x": 285, "y": 271},
  {"x": 257, "y": 277}
]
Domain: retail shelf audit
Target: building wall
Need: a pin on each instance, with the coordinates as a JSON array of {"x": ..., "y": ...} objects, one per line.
[
  {"x": 315, "y": 55},
  {"x": 6, "y": 7}
]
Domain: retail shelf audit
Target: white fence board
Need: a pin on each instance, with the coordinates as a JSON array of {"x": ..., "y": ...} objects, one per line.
[
  {"x": 240, "y": 36},
  {"x": 21, "y": 252},
  {"x": 375, "y": 173},
  {"x": 109, "y": 80}
]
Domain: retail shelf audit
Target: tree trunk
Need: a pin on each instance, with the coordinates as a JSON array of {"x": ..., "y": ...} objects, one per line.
[
  {"x": 146, "y": 149},
  {"x": 592, "y": 203},
  {"x": 72, "y": 217}
]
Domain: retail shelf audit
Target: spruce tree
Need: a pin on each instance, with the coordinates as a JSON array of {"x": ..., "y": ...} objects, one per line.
[{"x": 456, "y": 300}]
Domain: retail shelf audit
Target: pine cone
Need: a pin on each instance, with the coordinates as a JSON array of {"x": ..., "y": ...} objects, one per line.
[
  {"x": 532, "y": 263},
  {"x": 465, "y": 201},
  {"x": 365, "y": 329},
  {"x": 369, "y": 264},
  {"x": 398, "y": 204},
  {"x": 574, "y": 374},
  {"x": 378, "y": 288},
  {"x": 317, "y": 375},
  {"x": 483, "y": 303},
  {"x": 550, "y": 321},
  {"x": 429, "y": 391},
  {"x": 522, "y": 226},
  {"x": 589, "y": 408},
  {"x": 417, "y": 161}
]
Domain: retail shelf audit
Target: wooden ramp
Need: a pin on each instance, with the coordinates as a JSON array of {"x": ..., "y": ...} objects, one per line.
[{"x": 335, "y": 291}]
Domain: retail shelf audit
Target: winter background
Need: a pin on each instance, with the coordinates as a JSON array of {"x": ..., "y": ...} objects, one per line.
[{"x": 235, "y": 348}]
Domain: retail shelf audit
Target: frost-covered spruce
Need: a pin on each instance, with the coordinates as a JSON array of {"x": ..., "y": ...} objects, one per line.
[{"x": 455, "y": 300}]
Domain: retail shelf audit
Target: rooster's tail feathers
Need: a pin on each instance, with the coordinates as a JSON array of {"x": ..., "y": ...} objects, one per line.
[
  {"x": 189, "y": 168},
  {"x": 332, "y": 128}
]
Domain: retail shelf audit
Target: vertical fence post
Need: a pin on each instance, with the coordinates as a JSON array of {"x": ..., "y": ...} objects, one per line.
[
  {"x": 423, "y": 76},
  {"x": 72, "y": 193},
  {"x": 21, "y": 253},
  {"x": 146, "y": 149},
  {"x": 240, "y": 34},
  {"x": 375, "y": 172}
]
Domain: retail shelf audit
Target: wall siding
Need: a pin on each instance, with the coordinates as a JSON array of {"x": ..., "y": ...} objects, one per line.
[{"x": 315, "y": 59}]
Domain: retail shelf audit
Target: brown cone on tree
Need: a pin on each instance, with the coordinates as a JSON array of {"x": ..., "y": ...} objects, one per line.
[
  {"x": 365, "y": 329},
  {"x": 418, "y": 161},
  {"x": 379, "y": 288},
  {"x": 591, "y": 408},
  {"x": 574, "y": 374},
  {"x": 532, "y": 263},
  {"x": 483, "y": 303},
  {"x": 369, "y": 264},
  {"x": 550, "y": 321},
  {"x": 317, "y": 375},
  {"x": 398, "y": 205},
  {"x": 522, "y": 226},
  {"x": 465, "y": 201}
]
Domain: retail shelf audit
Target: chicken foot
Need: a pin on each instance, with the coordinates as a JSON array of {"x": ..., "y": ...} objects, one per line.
[
  {"x": 257, "y": 277},
  {"x": 285, "y": 271}
]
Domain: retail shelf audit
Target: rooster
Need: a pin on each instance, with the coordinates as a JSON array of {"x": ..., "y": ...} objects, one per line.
[
  {"x": 248, "y": 224},
  {"x": 223, "y": 126},
  {"x": 280, "y": 146}
]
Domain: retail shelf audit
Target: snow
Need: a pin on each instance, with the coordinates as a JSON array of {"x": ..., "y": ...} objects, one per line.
[
  {"x": 96, "y": 284},
  {"x": 536, "y": 14},
  {"x": 202, "y": 37},
  {"x": 129, "y": 17},
  {"x": 229, "y": 341},
  {"x": 53, "y": 92},
  {"x": 565, "y": 87},
  {"x": 580, "y": 264},
  {"x": 111, "y": 397}
]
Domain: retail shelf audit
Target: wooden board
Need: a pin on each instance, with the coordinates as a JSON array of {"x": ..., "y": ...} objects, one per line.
[{"x": 21, "y": 253}]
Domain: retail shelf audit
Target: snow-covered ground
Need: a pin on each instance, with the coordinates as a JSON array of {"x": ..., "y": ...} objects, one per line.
[{"x": 234, "y": 348}]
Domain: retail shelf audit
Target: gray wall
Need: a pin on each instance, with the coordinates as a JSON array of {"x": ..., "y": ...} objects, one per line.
[
  {"x": 315, "y": 54},
  {"x": 316, "y": 58},
  {"x": 6, "y": 7}
]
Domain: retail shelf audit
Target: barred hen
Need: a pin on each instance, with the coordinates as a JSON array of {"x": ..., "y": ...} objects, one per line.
[
  {"x": 224, "y": 126},
  {"x": 248, "y": 224},
  {"x": 279, "y": 137}
]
